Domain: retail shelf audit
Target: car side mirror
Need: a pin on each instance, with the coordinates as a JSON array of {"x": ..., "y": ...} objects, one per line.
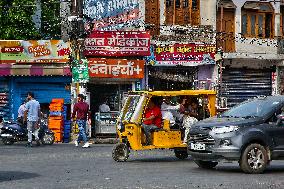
[{"x": 280, "y": 119}]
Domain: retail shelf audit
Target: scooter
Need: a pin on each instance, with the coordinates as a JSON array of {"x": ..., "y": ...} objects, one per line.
[{"x": 14, "y": 131}]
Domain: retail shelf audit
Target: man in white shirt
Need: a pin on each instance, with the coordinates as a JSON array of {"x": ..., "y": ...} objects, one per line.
[
  {"x": 104, "y": 107},
  {"x": 21, "y": 112},
  {"x": 168, "y": 111}
]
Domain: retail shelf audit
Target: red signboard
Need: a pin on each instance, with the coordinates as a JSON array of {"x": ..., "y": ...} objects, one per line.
[
  {"x": 185, "y": 54},
  {"x": 118, "y": 43},
  {"x": 15, "y": 49},
  {"x": 116, "y": 68}
]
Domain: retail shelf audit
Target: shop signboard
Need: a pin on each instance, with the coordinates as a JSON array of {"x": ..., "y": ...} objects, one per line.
[
  {"x": 80, "y": 72},
  {"x": 112, "y": 14},
  {"x": 118, "y": 43},
  {"x": 116, "y": 68},
  {"x": 182, "y": 54},
  {"x": 34, "y": 51}
]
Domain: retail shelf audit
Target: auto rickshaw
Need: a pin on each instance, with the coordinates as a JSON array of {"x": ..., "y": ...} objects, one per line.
[{"x": 129, "y": 124}]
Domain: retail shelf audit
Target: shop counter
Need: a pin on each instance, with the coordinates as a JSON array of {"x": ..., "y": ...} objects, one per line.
[{"x": 105, "y": 122}]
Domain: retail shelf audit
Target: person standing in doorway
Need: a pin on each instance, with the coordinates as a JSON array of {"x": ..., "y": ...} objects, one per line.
[
  {"x": 32, "y": 116},
  {"x": 104, "y": 107},
  {"x": 82, "y": 114}
]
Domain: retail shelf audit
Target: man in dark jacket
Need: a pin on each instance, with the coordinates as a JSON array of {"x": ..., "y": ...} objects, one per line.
[{"x": 82, "y": 114}]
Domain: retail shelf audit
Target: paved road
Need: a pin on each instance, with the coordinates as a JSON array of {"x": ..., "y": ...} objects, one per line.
[{"x": 65, "y": 166}]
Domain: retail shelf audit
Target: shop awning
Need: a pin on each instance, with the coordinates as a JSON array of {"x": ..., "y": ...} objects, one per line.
[
  {"x": 261, "y": 6},
  {"x": 33, "y": 70},
  {"x": 227, "y": 4}
]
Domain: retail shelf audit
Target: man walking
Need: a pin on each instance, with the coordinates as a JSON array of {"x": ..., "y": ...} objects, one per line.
[
  {"x": 32, "y": 115},
  {"x": 82, "y": 114}
]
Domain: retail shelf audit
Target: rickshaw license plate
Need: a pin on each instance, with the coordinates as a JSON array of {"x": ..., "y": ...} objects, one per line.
[{"x": 197, "y": 146}]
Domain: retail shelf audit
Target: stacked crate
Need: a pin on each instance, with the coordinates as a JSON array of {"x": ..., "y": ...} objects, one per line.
[
  {"x": 67, "y": 126},
  {"x": 56, "y": 119}
]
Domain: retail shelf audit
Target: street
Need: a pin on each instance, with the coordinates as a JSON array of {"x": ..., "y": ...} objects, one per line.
[{"x": 65, "y": 166}]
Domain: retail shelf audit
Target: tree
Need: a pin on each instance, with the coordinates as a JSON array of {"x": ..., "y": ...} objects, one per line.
[
  {"x": 16, "y": 20},
  {"x": 51, "y": 22}
]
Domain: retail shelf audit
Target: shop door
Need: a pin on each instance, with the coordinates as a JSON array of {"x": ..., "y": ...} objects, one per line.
[
  {"x": 5, "y": 110},
  {"x": 242, "y": 84},
  {"x": 226, "y": 30}
]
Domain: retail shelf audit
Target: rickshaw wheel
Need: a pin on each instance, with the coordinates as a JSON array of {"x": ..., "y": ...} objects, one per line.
[
  {"x": 181, "y": 154},
  {"x": 120, "y": 152}
]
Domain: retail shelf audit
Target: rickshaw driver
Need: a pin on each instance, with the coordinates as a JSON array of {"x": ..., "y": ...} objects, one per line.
[{"x": 152, "y": 120}]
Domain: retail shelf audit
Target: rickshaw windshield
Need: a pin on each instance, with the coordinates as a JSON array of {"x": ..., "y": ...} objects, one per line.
[{"x": 131, "y": 108}]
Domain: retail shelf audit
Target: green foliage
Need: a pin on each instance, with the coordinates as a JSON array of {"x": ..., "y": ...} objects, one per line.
[
  {"x": 51, "y": 22},
  {"x": 17, "y": 23}
]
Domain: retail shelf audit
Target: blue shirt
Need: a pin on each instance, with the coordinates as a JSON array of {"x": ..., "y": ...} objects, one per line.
[{"x": 33, "y": 108}]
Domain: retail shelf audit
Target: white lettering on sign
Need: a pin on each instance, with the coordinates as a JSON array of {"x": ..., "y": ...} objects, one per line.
[{"x": 116, "y": 70}]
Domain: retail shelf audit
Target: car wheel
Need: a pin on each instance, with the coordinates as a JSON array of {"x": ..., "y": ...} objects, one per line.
[
  {"x": 7, "y": 141},
  {"x": 253, "y": 159},
  {"x": 120, "y": 152},
  {"x": 206, "y": 164},
  {"x": 181, "y": 154},
  {"x": 47, "y": 139}
]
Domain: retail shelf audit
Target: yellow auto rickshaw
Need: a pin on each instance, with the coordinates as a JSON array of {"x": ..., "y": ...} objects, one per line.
[{"x": 129, "y": 124}]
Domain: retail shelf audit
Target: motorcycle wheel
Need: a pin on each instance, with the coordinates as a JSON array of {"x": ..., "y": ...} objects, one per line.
[
  {"x": 47, "y": 139},
  {"x": 7, "y": 141}
]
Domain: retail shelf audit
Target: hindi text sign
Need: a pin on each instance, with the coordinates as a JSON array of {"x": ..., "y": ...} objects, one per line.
[
  {"x": 185, "y": 54},
  {"x": 114, "y": 43},
  {"x": 116, "y": 68}
]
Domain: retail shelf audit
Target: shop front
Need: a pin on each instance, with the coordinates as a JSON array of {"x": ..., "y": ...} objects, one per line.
[
  {"x": 110, "y": 80},
  {"x": 181, "y": 67},
  {"x": 36, "y": 66},
  {"x": 116, "y": 66},
  {"x": 246, "y": 79}
]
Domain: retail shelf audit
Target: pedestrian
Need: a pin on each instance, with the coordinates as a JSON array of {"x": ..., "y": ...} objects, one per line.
[
  {"x": 32, "y": 116},
  {"x": 21, "y": 113},
  {"x": 82, "y": 114}
]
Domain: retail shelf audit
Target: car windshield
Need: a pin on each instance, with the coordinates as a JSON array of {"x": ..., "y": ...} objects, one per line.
[
  {"x": 129, "y": 107},
  {"x": 249, "y": 109}
]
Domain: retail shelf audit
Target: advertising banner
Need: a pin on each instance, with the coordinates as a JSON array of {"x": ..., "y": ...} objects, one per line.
[
  {"x": 80, "y": 71},
  {"x": 112, "y": 14},
  {"x": 116, "y": 68},
  {"x": 182, "y": 54},
  {"x": 114, "y": 43},
  {"x": 41, "y": 51}
]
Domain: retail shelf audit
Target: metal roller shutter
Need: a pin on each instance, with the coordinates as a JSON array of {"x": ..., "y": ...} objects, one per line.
[
  {"x": 44, "y": 89},
  {"x": 243, "y": 84}
]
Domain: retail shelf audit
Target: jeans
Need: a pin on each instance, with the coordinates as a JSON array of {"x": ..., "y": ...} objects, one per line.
[
  {"x": 147, "y": 130},
  {"x": 31, "y": 126},
  {"x": 82, "y": 132}
]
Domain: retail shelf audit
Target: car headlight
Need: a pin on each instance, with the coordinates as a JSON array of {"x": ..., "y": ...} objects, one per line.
[{"x": 226, "y": 129}]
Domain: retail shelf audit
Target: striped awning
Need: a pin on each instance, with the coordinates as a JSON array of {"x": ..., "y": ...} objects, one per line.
[{"x": 33, "y": 70}]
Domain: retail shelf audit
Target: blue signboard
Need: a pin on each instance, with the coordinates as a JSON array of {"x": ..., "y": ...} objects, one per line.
[{"x": 111, "y": 13}]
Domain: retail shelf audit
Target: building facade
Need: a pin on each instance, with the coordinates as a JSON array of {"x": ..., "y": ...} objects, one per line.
[{"x": 250, "y": 34}]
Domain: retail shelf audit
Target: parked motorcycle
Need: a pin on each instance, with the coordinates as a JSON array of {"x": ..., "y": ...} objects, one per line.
[{"x": 13, "y": 132}]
